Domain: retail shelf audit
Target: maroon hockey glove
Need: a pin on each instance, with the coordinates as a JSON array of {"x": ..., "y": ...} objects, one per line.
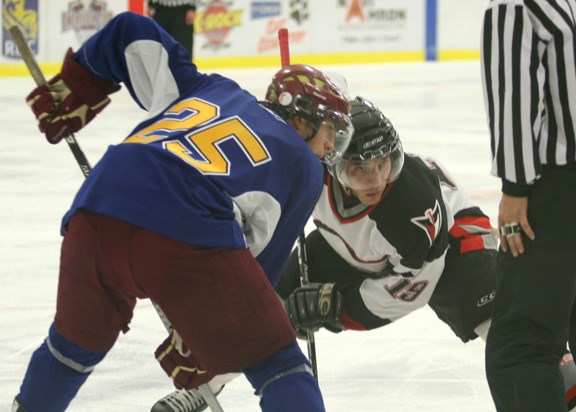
[
  {"x": 70, "y": 100},
  {"x": 315, "y": 305},
  {"x": 180, "y": 365}
]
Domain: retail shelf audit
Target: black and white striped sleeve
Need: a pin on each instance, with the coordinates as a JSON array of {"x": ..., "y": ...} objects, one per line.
[{"x": 529, "y": 81}]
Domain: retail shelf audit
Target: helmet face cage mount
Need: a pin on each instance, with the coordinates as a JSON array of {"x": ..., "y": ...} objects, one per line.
[
  {"x": 374, "y": 139},
  {"x": 301, "y": 90}
]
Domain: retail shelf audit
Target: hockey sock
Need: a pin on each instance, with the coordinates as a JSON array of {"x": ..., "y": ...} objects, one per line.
[
  {"x": 292, "y": 392},
  {"x": 56, "y": 371},
  {"x": 568, "y": 370},
  {"x": 285, "y": 382}
]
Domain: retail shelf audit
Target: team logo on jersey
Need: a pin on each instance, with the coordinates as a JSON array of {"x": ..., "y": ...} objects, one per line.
[{"x": 430, "y": 222}]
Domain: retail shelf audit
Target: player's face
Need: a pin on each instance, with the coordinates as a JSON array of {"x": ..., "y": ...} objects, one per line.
[
  {"x": 323, "y": 141},
  {"x": 368, "y": 179}
]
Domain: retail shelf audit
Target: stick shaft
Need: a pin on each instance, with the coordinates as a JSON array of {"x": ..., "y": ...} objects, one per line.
[
  {"x": 284, "y": 46},
  {"x": 27, "y": 56},
  {"x": 283, "y": 41},
  {"x": 39, "y": 78},
  {"x": 303, "y": 266}
]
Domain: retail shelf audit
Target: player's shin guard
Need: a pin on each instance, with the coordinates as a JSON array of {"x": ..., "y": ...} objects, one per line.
[
  {"x": 56, "y": 371},
  {"x": 285, "y": 382}
]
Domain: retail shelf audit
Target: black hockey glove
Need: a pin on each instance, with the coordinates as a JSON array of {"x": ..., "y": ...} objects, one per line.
[{"x": 314, "y": 306}]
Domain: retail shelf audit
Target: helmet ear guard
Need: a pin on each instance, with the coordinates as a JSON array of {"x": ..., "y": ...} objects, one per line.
[
  {"x": 303, "y": 91},
  {"x": 374, "y": 138}
]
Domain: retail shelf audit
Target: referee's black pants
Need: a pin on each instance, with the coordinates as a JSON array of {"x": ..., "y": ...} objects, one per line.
[
  {"x": 172, "y": 19},
  {"x": 534, "y": 303}
]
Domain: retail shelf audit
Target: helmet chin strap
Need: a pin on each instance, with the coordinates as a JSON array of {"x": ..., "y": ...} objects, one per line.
[
  {"x": 311, "y": 136},
  {"x": 315, "y": 128},
  {"x": 346, "y": 189}
]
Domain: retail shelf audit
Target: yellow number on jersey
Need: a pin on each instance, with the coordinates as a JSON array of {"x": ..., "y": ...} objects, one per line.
[{"x": 191, "y": 113}]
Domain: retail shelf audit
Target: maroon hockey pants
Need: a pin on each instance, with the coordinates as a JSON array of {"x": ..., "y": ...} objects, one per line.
[{"x": 219, "y": 300}]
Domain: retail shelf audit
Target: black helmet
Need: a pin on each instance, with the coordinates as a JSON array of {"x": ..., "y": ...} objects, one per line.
[
  {"x": 374, "y": 138},
  {"x": 304, "y": 91}
]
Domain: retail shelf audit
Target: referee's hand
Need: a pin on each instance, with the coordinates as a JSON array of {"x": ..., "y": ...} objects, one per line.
[{"x": 513, "y": 211}]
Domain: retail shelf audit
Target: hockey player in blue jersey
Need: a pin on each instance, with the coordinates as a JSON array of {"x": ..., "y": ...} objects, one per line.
[{"x": 197, "y": 209}]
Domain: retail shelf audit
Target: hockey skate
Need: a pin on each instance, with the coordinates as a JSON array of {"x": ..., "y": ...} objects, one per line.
[{"x": 183, "y": 401}]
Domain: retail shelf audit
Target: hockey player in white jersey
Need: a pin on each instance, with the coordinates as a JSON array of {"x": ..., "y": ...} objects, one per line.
[{"x": 395, "y": 232}]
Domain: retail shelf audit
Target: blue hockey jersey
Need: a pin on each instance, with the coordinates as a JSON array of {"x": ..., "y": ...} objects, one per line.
[{"x": 209, "y": 166}]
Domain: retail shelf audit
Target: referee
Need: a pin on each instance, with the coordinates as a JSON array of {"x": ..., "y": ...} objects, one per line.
[
  {"x": 177, "y": 18},
  {"x": 528, "y": 61}
]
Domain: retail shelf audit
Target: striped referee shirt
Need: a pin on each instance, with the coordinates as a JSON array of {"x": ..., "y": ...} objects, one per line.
[{"x": 529, "y": 79}]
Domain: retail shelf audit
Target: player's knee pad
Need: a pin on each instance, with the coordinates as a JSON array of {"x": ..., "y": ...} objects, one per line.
[{"x": 71, "y": 355}]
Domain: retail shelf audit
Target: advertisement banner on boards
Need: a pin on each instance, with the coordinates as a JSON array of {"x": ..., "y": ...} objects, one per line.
[
  {"x": 234, "y": 28},
  {"x": 241, "y": 27},
  {"x": 23, "y": 14}
]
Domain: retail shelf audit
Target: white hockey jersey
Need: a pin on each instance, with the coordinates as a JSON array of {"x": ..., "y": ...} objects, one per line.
[{"x": 399, "y": 245}]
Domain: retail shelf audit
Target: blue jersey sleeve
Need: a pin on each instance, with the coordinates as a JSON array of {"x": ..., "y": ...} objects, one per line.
[{"x": 135, "y": 51}]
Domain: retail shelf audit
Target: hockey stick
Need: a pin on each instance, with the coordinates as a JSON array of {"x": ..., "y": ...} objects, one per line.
[
  {"x": 38, "y": 77},
  {"x": 303, "y": 266},
  {"x": 284, "y": 46},
  {"x": 85, "y": 167},
  {"x": 302, "y": 257}
]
